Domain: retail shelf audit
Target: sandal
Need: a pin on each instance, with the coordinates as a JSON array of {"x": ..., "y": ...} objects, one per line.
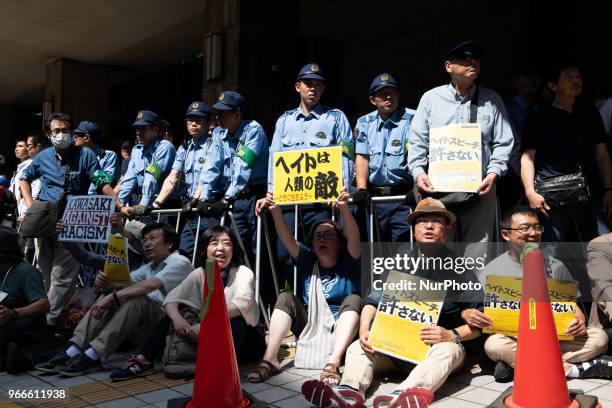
[
  {"x": 333, "y": 373},
  {"x": 415, "y": 397},
  {"x": 263, "y": 371},
  {"x": 324, "y": 395}
]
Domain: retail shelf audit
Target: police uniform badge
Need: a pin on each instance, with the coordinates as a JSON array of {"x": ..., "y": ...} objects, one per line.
[
  {"x": 201, "y": 160},
  {"x": 221, "y": 97},
  {"x": 321, "y": 135},
  {"x": 384, "y": 77},
  {"x": 395, "y": 142},
  {"x": 194, "y": 105},
  {"x": 314, "y": 68},
  {"x": 139, "y": 116}
]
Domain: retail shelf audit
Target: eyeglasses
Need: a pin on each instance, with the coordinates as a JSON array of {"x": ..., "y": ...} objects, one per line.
[
  {"x": 437, "y": 221},
  {"x": 327, "y": 235},
  {"x": 525, "y": 229},
  {"x": 59, "y": 130}
]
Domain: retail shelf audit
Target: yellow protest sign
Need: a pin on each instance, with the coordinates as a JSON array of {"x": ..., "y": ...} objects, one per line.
[
  {"x": 503, "y": 300},
  {"x": 455, "y": 158},
  {"x": 401, "y": 314},
  {"x": 308, "y": 175},
  {"x": 116, "y": 265}
]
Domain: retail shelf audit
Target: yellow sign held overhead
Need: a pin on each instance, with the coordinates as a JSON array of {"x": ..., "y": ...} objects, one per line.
[{"x": 308, "y": 175}]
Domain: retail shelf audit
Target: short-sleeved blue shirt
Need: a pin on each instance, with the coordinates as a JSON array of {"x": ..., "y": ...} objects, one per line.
[{"x": 338, "y": 282}]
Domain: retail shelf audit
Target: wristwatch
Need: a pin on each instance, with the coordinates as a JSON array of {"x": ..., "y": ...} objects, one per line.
[{"x": 456, "y": 336}]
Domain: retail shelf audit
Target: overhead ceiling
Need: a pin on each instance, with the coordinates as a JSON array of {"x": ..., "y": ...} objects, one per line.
[{"x": 136, "y": 34}]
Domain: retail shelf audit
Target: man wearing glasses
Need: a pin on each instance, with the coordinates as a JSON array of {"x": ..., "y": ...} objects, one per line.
[
  {"x": 189, "y": 163},
  {"x": 150, "y": 163},
  {"x": 64, "y": 170},
  {"x": 520, "y": 225},
  {"x": 452, "y": 104}
]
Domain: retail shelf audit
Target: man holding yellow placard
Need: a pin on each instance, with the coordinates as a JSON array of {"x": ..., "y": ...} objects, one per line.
[
  {"x": 432, "y": 224},
  {"x": 520, "y": 225},
  {"x": 470, "y": 124}
]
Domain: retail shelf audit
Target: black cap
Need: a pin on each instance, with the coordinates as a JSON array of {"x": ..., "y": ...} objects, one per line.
[{"x": 463, "y": 46}]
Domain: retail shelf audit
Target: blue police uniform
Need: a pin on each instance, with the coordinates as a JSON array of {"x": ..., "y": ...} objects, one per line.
[
  {"x": 385, "y": 143},
  {"x": 237, "y": 169},
  {"x": 322, "y": 127},
  {"x": 109, "y": 164},
  {"x": 148, "y": 166},
  {"x": 189, "y": 162}
]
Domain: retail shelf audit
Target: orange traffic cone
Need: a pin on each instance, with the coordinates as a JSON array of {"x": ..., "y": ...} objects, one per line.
[
  {"x": 217, "y": 383},
  {"x": 539, "y": 379}
]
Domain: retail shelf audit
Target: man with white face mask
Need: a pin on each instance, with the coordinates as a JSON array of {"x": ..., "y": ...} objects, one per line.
[{"x": 55, "y": 166}]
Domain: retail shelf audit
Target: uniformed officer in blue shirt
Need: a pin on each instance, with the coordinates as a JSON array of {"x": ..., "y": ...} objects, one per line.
[
  {"x": 381, "y": 168},
  {"x": 150, "y": 163},
  {"x": 64, "y": 170},
  {"x": 88, "y": 134},
  {"x": 310, "y": 125},
  {"x": 236, "y": 171},
  {"x": 185, "y": 174}
]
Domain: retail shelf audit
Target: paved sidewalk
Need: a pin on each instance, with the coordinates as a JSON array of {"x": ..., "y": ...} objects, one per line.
[{"x": 462, "y": 390}]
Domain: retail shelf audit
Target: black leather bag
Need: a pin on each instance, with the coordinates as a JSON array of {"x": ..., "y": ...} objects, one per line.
[{"x": 564, "y": 190}]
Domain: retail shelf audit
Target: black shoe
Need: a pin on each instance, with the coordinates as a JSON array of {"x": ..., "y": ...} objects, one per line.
[
  {"x": 17, "y": 361},
  {"x": 79, "y": 365},
  {"x": 132, "y": 369},
  {"x": 503, "y": 372},
  {"x": 600, "y": 367},
  {"x": 50, "y": 365}
]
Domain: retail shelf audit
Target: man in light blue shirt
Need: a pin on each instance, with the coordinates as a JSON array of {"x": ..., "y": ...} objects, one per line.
[
  {"x": 380, "y": 165},
  {"x": 150, "y": 163},
  {"x": 451, "y": 104},
  {"x": 310, "y": 125},
  {"x": 238, "y": 165},
  {"x": 88, "y": 134}
]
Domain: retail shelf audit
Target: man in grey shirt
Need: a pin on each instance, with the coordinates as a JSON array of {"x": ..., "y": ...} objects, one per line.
[
  {"x": 520, "y": 225},
  {"x": 451, "y": 104}
]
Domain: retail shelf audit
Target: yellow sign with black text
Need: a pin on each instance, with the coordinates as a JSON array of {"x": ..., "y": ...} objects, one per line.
[{"x": 116, "y": 266}]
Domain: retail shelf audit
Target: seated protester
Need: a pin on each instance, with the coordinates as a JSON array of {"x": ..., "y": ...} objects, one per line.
[
  {"x": 129, "y": 313},
  {"x": 337, "y": 255},
  {"x": 431, "y": 224},
  {"x": 520, "y": 225},
  {"x": 599, "y": 265},
  {"x": 239, "y": 282},
  {"x": 23, "y": 304}
]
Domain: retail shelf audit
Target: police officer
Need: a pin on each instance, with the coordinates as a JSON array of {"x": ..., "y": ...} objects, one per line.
[
  {"x": 310, "y": 125},
  {"x": 185, "y": 174},
  {"x": 150, "y": 163},
  {"x": 242, "y": 160},
  {"x": 88, "y": 134},
  {"x": 381, "y": 169}
]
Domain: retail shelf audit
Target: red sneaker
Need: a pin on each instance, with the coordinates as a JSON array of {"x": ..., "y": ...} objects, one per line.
[
  {"x": 324, "y": 395},
  {"x": 415, "y": 397}
]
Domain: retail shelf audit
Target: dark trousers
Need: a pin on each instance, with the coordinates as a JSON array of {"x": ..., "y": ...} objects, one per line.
[
  {"x": 187, "y": 245},
  {"x": 392, "y": 221}
]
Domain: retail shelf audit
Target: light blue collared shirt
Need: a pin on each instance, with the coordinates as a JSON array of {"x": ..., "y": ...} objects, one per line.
[
  {"x": 385, "y": 143},
  {"x": 443, "y": 106},
  {"x": 190, "y": 161},
  {"x": 141, "y": 171},
  {"x": 323, "y": 127},
  {"x": 226, "y": 170}
]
